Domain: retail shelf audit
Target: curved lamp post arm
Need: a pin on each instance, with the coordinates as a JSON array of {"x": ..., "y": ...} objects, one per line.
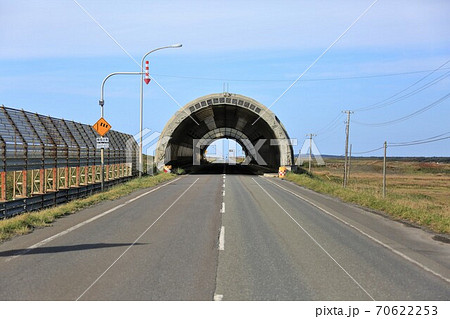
[
  {"x": 149, "y": 52},
  {"x": 101, "y": 102}
]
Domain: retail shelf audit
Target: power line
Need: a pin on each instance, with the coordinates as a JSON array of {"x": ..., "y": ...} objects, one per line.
[
  {"x": 330, "y": 127},
  {"x": 427, "y": 140},
  {"x": 385, "y": 101},
  {"x": 126, "y": 52},
  {"x": 318, "y": 58},
  {"x": 330, "y": 131},
  {"x": 404, "y": 118},
  {"x": 432, "y": 141},
  {"x": 403, "y": 97},
  {"x": 422, "y": 140},
  {"x": 371, "y": 151},
  {"x": 331, "y": 124},
  {"x": 338, "y": 78}
]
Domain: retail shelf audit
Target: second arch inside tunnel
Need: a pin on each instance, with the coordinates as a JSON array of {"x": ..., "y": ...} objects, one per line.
[{"x": 224, "y": 150}]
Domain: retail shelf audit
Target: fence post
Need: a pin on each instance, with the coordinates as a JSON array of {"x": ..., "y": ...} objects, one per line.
[
  {"x": 24, "y": 183},
  {"x": 3, "y": 184}
]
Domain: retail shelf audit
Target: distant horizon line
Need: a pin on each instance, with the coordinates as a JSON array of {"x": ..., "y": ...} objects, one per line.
[{"x": 380, "y": 156}]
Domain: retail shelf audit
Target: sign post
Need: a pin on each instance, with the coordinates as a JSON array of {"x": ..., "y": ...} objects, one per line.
[
  {"x": 102, "y": 127},
  {"x": 102, "y": 142}
]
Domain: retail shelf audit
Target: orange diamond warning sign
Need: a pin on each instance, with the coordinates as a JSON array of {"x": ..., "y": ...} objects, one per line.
[{"x": 102, "y": 127}]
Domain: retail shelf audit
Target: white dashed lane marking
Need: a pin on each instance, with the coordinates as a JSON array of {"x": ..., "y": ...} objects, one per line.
[{"x": 222, "y": 239}]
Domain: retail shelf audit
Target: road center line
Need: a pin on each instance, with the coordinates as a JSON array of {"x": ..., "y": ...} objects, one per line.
[
  {"x": 223, "y": 208},
  {"x": 415, "y": 262},
  {"x": 65, "y": 232},
  {"x": 222, "y": 238},
  {"x": 218, "y": 297},
  {"x": 140, "y": 236},
  {"x": 316, "y": 242}
]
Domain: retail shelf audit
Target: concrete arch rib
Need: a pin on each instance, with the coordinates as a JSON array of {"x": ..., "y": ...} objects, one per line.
[
  {"x": 224, "y": 132},
  {"x": 233, "y": 116}
]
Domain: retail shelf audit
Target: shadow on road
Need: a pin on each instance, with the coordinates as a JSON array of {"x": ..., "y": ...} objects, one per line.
[
  {"x": 220, "y": 168},
  {"x": 60, "y": 249}
]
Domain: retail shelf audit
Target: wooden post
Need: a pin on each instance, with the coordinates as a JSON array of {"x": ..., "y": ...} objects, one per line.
[
  {"x": 66, "y": 177},
  {"x": 55, "y": 179},
  {"x": 77, "y": 181},
  {"x": 86, "y": 175},
  {"x": 3, "y": 184},
  {"x": 93, "y": 174},
  {"x": 24, "y": 183},
  {"x": 41, "y": 180},
  {"x": 106, "y": 172}
]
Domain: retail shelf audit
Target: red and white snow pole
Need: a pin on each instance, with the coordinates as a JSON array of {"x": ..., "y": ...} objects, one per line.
[{"x": 147, "y": 75}]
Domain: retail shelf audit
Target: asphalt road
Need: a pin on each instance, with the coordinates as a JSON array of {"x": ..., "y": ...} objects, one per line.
[{"x": 225, "y": 237}]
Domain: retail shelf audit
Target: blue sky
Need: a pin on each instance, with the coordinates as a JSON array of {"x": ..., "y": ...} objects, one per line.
[{"x": 53, "y": 58}]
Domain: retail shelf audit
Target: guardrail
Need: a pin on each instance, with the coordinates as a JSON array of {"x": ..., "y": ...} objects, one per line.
[{"x": 46, "y": 161}]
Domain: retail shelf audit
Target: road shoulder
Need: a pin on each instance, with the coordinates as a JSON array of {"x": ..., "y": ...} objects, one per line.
[{"x": 414, "y": 243}]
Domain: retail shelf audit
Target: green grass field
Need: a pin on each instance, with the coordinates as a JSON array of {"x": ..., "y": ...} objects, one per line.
[{"x": 417, "y": 192}]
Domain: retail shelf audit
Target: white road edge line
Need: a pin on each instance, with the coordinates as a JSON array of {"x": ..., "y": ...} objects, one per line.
[
  {"x": 140, "y": 236},
  {"x": 222, "y": 238},
  {"x": 65, "y": 232},
  {"x": 316, "y": 242},
  {"x": 415, "y": 262},
  {"x": 222, "y": 210}
]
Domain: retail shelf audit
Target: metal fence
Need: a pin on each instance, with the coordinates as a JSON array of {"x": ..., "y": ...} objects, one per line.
[{"x": 47, "y": 161}]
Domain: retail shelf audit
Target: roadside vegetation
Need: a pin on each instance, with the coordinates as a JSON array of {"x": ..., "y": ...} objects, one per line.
[
  {"x": 417, "y": 192},
  {"x": 25, "y": 223}
]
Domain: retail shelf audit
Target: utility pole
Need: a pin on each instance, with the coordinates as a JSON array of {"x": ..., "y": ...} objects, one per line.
[
  {"x": 347, "y": 131},
  {"x": 310, "y": 150},
  {"x": 349, "y": 163},
  {"x": 384, "y": 170}
]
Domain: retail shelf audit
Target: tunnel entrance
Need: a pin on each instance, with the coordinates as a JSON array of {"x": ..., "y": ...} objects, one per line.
[{"x": 197, "y": 125}]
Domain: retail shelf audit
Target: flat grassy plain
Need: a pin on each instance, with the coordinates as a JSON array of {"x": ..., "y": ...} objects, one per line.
[{"x": 417, "y": 192}]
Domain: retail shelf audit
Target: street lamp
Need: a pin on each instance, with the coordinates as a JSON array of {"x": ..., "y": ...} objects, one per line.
[
  {"x": 101, "y": 102},
  {"x": 141, "y": 112}
]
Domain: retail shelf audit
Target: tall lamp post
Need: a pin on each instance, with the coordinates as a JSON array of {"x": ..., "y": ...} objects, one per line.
[
  {"x": 101, "y": 102},
  {"x": 141, "y": 108}
]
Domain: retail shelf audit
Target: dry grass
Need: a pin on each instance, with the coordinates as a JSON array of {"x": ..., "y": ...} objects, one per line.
[
  {"x": 416, "y": 192},
  {"x": 25, "y": 223}
]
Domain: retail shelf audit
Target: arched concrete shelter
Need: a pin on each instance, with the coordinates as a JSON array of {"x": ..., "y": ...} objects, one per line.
[{"x": 224, "y": 115}]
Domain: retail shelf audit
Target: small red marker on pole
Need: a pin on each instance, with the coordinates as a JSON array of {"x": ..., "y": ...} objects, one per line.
[{"x": 147, "y": 75}]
